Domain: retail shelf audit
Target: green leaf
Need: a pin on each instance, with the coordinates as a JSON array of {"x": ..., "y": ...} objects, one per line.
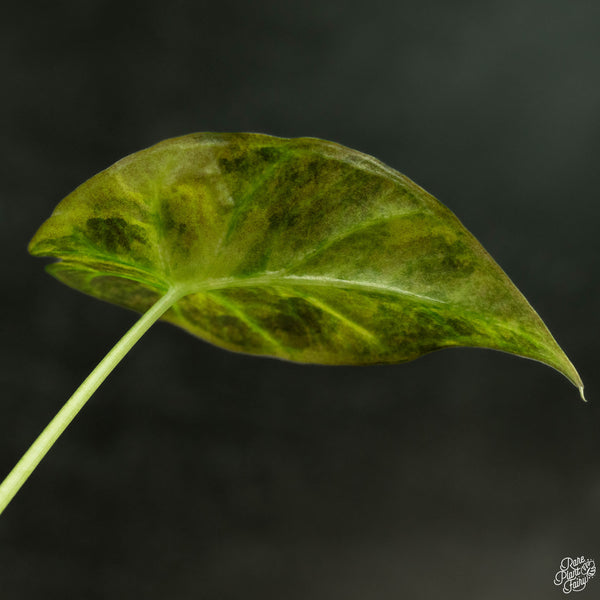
[{"x": 300, "y": 249}]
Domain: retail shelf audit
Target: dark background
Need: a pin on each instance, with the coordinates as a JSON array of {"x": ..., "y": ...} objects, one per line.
[{"x": 197, "y": 473}]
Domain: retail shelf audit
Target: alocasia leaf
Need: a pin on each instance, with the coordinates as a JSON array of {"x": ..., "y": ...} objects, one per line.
[{"x": 300, "y": 249}]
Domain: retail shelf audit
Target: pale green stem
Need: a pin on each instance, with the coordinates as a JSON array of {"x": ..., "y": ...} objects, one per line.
[{"x": 23, "y": 469}]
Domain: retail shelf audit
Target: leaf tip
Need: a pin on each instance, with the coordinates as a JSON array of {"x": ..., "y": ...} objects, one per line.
[{"x": 581, "y": 393}]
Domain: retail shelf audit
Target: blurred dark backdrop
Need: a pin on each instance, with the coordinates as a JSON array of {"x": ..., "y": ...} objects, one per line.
[{"x": 197, "y": 473}]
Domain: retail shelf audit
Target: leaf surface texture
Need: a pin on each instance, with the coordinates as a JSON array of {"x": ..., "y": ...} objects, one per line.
[{"x": 300, "y": 249}]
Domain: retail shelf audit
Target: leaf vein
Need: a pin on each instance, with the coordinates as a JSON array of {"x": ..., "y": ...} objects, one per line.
[
  {"x": 340, "y": 317},
  {"x": 331, "y": 241},
  {"x": 251, "y": 323}
]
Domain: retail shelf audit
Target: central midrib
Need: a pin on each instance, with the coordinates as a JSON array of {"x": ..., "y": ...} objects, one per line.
[
  {"x": 278, "y": 278},
  {"x": 282, "y": 280}
]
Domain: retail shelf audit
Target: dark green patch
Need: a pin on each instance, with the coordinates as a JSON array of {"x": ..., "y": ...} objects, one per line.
[
  {"x": 269, "y": 154},
  {"x": 113, "y": 234}
]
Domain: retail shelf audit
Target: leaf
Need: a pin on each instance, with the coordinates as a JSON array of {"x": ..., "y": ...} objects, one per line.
[{"x": 300, "y": 249}]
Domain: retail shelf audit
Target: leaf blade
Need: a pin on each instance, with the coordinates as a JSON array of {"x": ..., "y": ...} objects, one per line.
[{"x": 300, "y": 249}]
